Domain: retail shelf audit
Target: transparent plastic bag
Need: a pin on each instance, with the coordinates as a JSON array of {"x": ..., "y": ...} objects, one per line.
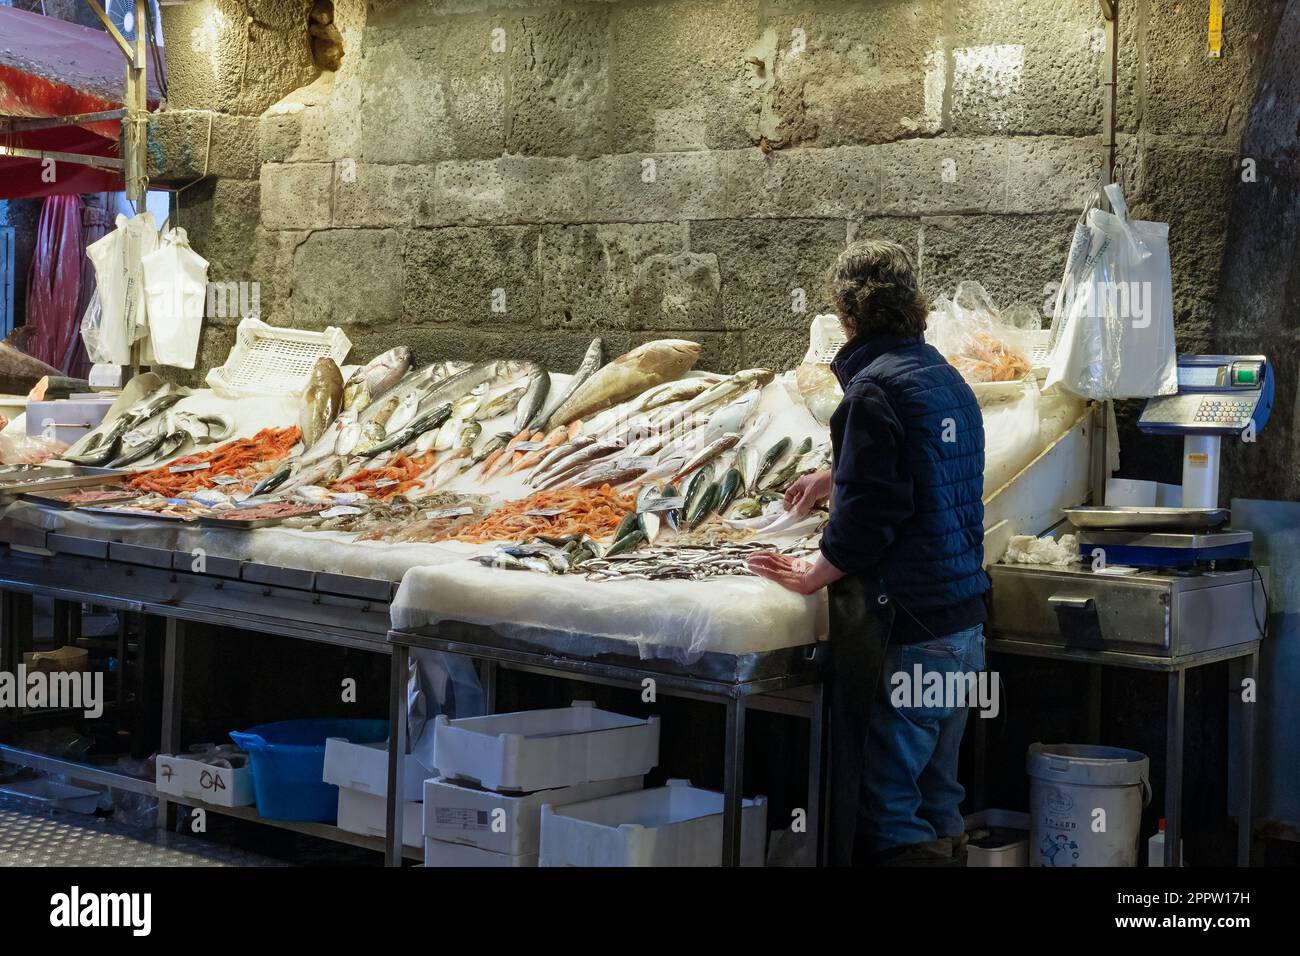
[
  {"x": 92, "y": 334},
  {"x": 1113, "y": 326},
  {"x": 974, "y": 335}
]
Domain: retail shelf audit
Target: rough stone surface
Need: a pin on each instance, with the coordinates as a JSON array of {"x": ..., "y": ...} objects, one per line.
[
  {"x": 835, "y": 182},
  {"x": 297, "y": 195},
  {"x": 511, "y": 189},
  {"x": 453, "y": 276},
  {"x": 369, "y": 195},
  {"x": 1026, "y": 67},
  {"x": 657, "y": 187},
  {"x": 1045, "y": 174},
  {"x": 179, "y": 145},
  {"x": 219, "y": 218},
  {"x": 678, "y": 79},
  {"x": 904, "y": 230},
  {"x": 771, "y": 271},
  {"x": 1016, "y": 258},
  {"x": 590, "y": 272},
  {"x": 404, "y": 113},
  {"x": 828, "y": 62},
  {"x": 559, "y": 84},
  {"x": 944, "y": 176},
  {"x": 677, "y": 292},
  {"x": 346, "y": 277}
]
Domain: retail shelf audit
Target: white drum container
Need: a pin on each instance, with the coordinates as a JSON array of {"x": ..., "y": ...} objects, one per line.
[{"x": 1085, "y": 804}]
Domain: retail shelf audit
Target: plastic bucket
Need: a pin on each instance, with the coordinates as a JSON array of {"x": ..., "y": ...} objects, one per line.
[
  {"x": 288, "y": 760},
  {"x": 1085, "y": 804}
]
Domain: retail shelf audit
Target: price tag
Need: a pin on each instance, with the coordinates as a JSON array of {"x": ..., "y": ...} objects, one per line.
[
  {"x": 339, "y": 511},
  {"x": 179, "y": 469},
  {"x": 385, "y": 482},
  {"x": 544, "y": 512},
  {"x": 662, "y": 504},
  {"x": 449, "y": 513}
]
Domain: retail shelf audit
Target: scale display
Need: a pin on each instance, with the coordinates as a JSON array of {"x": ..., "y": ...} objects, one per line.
[{"x": 1217, "y": 395}]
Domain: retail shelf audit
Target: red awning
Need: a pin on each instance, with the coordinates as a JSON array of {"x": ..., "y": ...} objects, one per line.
[{"x": 52, "y": 68}]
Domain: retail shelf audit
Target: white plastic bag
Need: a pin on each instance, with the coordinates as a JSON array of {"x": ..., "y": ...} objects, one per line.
[
  {"x": 1113, "y": 327},
  {"x": 175, "y": 285},
  {"x": 120, "y": 281}
]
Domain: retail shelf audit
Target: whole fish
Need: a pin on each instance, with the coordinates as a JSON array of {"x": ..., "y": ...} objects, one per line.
[
  {"x": 769, "y": 460},
  {"x": 606, "y": 473},
  {"x": 626, "y": 543},
  {"x": 376, "y": 377},
  {"x": 728, "y": 487},
  {"x": 369, "y": 436},
  {"x": 499, "y": 404},
  {"x": 629, "y": 374},
  {"x": 591, "y": 361},
  {"x": 563, "y": 450},
  {"x": 20, "y": 371},
  {"x": 549, "y": 443},
  {"x": 729, "y": 388},
  {"x": 702, "y": 507},
  {"x": 102, "y": 444},
  {"x": 698, "y": 485},
  {"x": 732, "y": 416},
  {"x": 492, "y": 446},
  {"x": 322, "y": 400},
  {"x": 528, "y": 412},
  {"x": 756, "y": 428},
  {"x": 706, "y": 455},
  {"x": 469, "y": 435},
  {"x": 430, "y": 419}
]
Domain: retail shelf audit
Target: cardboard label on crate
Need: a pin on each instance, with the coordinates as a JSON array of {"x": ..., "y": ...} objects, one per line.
[{"x": 462, "y": 818}]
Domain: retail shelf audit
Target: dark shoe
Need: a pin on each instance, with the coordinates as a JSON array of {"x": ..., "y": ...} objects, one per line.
[{"x": 930, "y": 853}]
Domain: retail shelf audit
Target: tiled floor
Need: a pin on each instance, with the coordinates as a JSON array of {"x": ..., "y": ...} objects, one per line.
[{"x": 31, "y": 837}]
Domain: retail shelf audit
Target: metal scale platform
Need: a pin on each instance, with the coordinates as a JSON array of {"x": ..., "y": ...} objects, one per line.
[{"x": 1165, "y": 582}]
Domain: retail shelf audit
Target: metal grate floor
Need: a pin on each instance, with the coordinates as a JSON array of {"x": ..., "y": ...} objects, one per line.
[{"x": 36, "y": 837}]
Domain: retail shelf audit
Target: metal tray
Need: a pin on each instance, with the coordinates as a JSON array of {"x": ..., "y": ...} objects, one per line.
[
  {"x": 52, "y": 501},
  {"x": 16, "y": 479},
  {"x": 147, "y": 515},
  {"x": 1147, "y": 518},
  {"x": 212, "y": 521}
]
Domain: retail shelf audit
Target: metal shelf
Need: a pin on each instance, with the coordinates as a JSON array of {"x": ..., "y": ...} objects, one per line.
[{"x": 322, "y": 831}]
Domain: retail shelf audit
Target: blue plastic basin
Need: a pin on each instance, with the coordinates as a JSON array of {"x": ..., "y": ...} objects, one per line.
[{"x": 288, "y": 759}]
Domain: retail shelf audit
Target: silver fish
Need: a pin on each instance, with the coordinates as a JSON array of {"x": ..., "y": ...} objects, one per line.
[{"x": 591, "y": 361}]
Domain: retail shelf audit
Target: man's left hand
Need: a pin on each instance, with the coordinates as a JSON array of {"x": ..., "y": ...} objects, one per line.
[{"x": 792, "y": 573}]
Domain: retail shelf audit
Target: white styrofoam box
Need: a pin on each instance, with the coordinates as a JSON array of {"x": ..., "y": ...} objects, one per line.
[
  {"x": 367, "y": 814},
  {"x": 503, "y": 823},
  {"x": 64, "y": 419},
  {"x": 545, "y": 749},
  {"x": 438, "y": 853},
  {"x": 181, "y": 776},
  {"x": 675, "y": 825},
  {"x": 364, "y": 767}
]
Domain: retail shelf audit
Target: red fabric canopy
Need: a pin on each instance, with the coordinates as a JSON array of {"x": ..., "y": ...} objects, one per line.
[{"x": 51, "y": 68}]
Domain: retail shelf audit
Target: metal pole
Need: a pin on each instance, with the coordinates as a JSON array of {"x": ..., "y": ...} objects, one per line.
[
  {"x": 733, "y": 782},
  {"x": 173, "y": 685},
  {"x": 399, "y": 666},
  {"x": 1177, "y": 691},
  {"x": 1246, "y": 805}
]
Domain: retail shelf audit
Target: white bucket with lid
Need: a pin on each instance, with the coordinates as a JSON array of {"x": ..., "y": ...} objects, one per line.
[{"x": 1086, "y": 804}]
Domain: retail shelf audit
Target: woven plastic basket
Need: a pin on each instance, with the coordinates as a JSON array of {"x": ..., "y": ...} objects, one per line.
[{"x": 267, "y": 360}]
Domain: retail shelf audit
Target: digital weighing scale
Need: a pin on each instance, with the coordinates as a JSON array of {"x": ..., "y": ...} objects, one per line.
[{"x": 1158, "y": 581}]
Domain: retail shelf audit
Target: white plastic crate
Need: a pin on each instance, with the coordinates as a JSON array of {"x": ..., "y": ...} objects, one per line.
[
  {"x": 825, "y": 338},
  {"x": 367, "y": 814},
  {"x": 268, "y": 360},
  {"x": 179, "y": 775},
  {"x": 438, "y": 853},
  {"x": 364, "y": 767},
  {"x": 545, "y": 749},
  {"x": 675, "y": 825},
  {"x": 500, "y": 822}
]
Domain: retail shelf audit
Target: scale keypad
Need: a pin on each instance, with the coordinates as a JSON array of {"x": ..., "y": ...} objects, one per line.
[{"x": 1224, "y": 411}]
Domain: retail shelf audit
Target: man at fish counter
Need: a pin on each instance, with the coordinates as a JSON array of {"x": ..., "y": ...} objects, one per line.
[{"x": 902, "y": 553}]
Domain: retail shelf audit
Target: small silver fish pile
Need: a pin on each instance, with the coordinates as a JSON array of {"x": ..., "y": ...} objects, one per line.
[
  {"x": 544, "y": 554},
  {"x": 684, "y": 562}
]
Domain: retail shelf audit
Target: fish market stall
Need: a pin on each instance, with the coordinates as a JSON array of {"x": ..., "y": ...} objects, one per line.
[{"x": 591, "y": 524}]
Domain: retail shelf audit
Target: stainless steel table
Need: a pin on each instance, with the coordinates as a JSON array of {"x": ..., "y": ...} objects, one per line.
[{"x": 785, "y": 681}]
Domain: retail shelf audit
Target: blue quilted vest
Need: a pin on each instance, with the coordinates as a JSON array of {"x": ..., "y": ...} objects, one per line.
[{"x": 937, "y": 557}]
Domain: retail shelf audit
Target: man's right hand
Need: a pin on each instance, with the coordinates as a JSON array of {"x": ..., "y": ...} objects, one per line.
[{"x": 801, "y": 496}]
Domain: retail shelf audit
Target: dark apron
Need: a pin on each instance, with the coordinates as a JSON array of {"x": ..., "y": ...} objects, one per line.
[{"x": 859, "y": 633}]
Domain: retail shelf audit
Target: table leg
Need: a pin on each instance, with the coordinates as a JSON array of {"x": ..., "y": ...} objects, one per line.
[
  {"x": 173, "y": 687},
  {"x": 980, "y": 757},
  {"x": 1175, "y": 702},
  {"x": 1246, "y": 805},
  {"x": 733, "y": 782},
  {"x": 398, "y": 673},
  {"x": 816, "y": 769},
  {"x": 489, "y": 687},
  {"x": 1094, "y": 703}
]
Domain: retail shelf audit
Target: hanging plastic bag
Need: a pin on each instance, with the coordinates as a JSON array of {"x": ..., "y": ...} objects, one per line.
[
  {"x": 92, "y": 334},
  {"x": 1113, "y": 328},
  {"x": 175, "y": 285},
  {"x": 119, "y": 278}
]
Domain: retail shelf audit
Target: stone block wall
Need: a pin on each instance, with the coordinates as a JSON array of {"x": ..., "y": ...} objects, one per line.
[{"x": 488, "y": 176}]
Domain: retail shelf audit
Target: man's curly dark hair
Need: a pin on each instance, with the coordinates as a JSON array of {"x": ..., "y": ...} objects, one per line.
[{"x": 874, "y": 288}]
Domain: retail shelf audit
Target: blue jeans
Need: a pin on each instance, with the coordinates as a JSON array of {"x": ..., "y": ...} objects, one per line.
[{"x": 910, "y": 791}]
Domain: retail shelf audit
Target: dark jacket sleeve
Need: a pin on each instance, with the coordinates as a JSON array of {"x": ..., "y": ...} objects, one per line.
[{"x": 872, "y": 492}]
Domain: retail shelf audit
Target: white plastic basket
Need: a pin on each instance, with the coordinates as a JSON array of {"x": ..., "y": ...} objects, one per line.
[
  {"x": 267, "y": 360},
  {"x": 825, "y": 337}
]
